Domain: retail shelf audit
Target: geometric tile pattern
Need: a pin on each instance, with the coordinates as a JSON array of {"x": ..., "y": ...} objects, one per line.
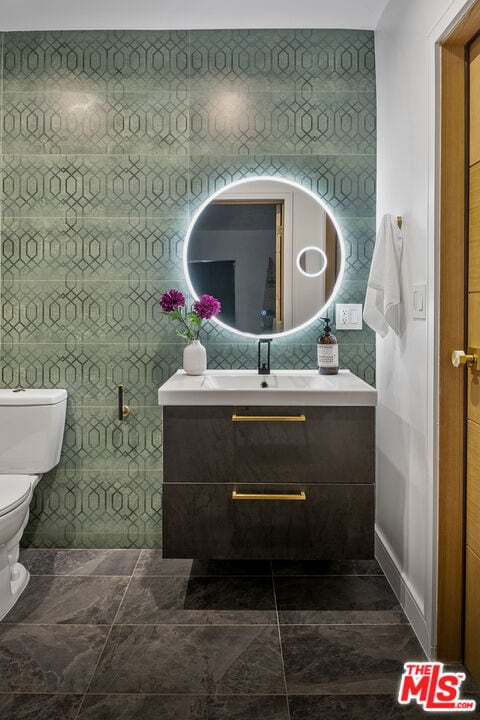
[
  {"x": 86, "y": 311},
  {"x": 283, "y": 123},
  {"x": 346, "y": 182},
  {"x": 267, "y": 60},
  {"x": 359, "y": 236},
  {"x": 120, "y": 123},
  {"x": 95, "y": 439},
  {"x": 113, "y": 185},
  {"x": 127, "y": 503},
  {"x": 96, "y": 59},
  {"x": 110, "y": 142},
  {"x": 131, "y": 250},
  {"x": 92, "y": 370}
]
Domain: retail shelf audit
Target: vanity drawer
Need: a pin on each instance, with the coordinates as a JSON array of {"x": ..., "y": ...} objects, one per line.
[
  {"x": 269, "y": 444},
  {"x": 203, "y": 521}
]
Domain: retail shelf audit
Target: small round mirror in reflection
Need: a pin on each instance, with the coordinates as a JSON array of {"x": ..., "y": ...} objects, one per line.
[
  {"x": 312, "y": 261},
  {"x": 270, "y": 251}
]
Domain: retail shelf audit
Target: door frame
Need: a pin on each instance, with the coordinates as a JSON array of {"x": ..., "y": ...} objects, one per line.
[{"x": 452, "y": 335}]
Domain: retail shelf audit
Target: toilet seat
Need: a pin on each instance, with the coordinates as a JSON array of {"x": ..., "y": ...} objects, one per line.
[{"x": 14, "y": 490}]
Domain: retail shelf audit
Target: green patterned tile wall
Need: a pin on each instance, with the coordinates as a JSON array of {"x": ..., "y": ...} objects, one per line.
[{"x": 109, "y": 143}]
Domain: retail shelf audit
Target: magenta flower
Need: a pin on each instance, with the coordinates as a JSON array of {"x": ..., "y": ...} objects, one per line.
[
  {"x": 206, "y": 307},
  {"x": 173, "y": 305},
  {"x": 172, "y": 300}
]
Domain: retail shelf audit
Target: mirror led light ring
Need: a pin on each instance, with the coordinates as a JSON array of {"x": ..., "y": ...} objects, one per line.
[
  {"x": 322, "y": 255},
  {"x": 317, "y": 199}
]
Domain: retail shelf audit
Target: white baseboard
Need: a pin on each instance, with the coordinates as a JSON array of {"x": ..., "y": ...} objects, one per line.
[{"x": 406, "y": 595}]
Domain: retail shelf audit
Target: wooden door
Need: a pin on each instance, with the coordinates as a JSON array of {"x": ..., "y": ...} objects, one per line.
[
  {"x": 472, "y": 550},
  {"x": 452, "y": 335}
]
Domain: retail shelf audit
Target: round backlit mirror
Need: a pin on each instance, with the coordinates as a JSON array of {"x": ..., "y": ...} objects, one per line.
[{"x": 270, "y": 250}]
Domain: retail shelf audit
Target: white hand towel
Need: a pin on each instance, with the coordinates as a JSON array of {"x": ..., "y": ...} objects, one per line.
[{"x": 382, "y": 301}]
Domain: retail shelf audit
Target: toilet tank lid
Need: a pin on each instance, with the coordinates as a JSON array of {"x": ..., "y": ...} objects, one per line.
[{"x": 31, "y": 396}]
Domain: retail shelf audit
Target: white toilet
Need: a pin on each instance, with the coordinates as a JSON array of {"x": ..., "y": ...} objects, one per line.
[{"x": 31, "y": 433}]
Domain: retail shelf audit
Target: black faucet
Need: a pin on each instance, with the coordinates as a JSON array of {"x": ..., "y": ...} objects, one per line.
[{"x": 264, "y": 368}]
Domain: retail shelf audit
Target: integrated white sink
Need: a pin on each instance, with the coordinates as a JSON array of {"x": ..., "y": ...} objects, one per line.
[
  {"x": 257, "y": 382},
  {"x": 281, "y": 387}
]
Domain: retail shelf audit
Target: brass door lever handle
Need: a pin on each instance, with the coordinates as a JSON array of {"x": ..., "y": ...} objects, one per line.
[{"x": 470, "y": 358}]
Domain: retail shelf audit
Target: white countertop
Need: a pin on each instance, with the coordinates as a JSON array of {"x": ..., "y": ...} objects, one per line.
[{"x": 283, "y": 387}]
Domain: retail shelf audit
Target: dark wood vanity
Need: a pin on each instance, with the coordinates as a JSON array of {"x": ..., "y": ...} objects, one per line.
[
  {"x": 268, "y": 482},
  {"x": 283, "y": 469}
]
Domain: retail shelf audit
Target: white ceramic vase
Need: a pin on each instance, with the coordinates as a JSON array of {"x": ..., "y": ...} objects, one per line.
[{"x": 194, "y": 358}]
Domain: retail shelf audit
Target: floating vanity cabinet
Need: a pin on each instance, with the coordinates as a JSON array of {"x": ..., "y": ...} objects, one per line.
[{"x": 269, "y": 481}]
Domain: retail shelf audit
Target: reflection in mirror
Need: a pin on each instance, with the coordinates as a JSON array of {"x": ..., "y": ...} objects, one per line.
[
  {"x": 269, "y": 250},
  {"x": 312, "y": 261}
]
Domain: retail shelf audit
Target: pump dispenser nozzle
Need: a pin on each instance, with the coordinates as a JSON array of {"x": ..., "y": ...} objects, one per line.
[{"x": 327, "y": 328}]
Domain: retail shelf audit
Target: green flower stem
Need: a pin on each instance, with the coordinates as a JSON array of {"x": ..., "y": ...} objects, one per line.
[{"x": 192, "y": 327}]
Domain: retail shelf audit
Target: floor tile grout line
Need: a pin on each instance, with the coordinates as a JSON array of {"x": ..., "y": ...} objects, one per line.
[
  {"x": 66, "y": 575},
  {"x": 199, "y": 577},
  {"x": 126, "y": 589},
  {"x": 216, "y": 694},
  {"x": 280, "y": 642},
  {"x": 320, "y": 575},
  {"x": 197, "y": 625},
  {"x": 54, "y": 624},
  {"x": 208, "y": 624},
  {"x": 206, "y": 576},
  {"x": 350, "y": 625},
  {"x": 345, "y": 624},
  {"x": 80, "y": 707},
  {"x": 206, "y": 695}
]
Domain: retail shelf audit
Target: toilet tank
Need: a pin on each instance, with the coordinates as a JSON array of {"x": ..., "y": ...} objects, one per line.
[{"x": 31, "y": 430}]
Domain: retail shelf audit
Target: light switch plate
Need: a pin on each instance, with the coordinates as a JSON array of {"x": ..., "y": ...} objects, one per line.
[
  {"x": 348, "y": 316},
  {"x": 419, "y": 301}
]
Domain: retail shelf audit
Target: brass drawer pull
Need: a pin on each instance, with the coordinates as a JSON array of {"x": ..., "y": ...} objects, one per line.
[
  {"x": 268, "y": 418},
  {"x": 266, "y": 496}
]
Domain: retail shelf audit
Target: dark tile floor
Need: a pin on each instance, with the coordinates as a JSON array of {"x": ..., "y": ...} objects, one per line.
[{"x": 126, "y": 635}]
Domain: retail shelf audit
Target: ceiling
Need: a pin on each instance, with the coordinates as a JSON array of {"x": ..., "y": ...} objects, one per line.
[{"x": 188, "y": 14}]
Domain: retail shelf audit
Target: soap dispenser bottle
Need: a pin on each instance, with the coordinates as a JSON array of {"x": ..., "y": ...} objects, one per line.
[{"x": 327, "y": 351}]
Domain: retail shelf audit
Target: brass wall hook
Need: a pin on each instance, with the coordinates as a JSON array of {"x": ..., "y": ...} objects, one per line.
[{"x": 123, "y": 410}]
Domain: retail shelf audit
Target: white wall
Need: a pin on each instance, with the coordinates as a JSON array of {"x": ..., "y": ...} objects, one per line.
[
  {"x": 406, "y": 365},
  {"x": 187, "y": 14}
]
